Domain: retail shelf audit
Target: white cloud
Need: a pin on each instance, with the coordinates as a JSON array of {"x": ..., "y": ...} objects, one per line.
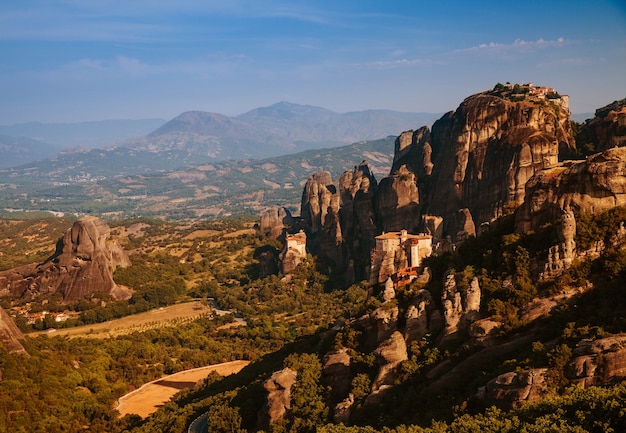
[{"x": 518, "y": 45}]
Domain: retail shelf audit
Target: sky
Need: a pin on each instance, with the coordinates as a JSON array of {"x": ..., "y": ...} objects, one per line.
[{"x": 85, "y": 60}]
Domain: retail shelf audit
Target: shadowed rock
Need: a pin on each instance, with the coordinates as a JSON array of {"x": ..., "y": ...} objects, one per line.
[{"x": 82, "y": 264}]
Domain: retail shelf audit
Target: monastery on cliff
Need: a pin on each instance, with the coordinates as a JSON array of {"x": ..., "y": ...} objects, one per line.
[{"x": 398, "y": 255}]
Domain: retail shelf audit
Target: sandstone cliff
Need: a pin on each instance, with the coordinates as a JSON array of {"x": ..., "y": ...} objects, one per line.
[
  {"x": 606, "y": 130},
  {"x": 82, "y": 264},
  {"x": 480, "y": 157},
  {"x": 275, "y": 220},
  {"x": 278, "y": 398},
  {"x": 590, "y": 186}
]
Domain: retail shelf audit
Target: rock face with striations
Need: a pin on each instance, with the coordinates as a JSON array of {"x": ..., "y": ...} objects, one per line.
[
  {"x": 607, "y": 129},
  {"x": 278, "y": 399},
  {"x": 591, "y": 186},
  {"x": 599, "y": 362},
  {"x": 397, "y": 202},
  {"x": 82, "y": 264},
  {"x": 339, "y": 219},
  {"x": 480, "y": 156},
  {"x": 461, "y": 303},
  {"x": 275, "y": 220}
]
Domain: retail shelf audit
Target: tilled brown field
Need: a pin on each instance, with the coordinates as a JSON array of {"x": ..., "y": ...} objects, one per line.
[{"x": 153, "y": 395}]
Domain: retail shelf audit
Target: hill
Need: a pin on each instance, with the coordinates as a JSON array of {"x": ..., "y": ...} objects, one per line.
[
  {"x": 21, "y": 150},
  {"x": 476, "y": 287},
  {"x": 82, "y": 182},
  {"x": 83, "y": 134}
]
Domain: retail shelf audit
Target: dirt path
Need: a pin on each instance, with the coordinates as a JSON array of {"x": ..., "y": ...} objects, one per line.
[{"x": 147, "y": 399}]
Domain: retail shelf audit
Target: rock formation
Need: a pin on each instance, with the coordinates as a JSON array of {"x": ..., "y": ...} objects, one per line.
[
  {"x": 337, "y": 372},
  {"x": 512, "y": 389},
  {"x": 420, "y": 316},
  {"x": 598, "y": 362},
  {"x": 82, "y": 264},
  {"x": 274, "y": 221},
  {"x": 461, "y": 305},
  {"x": 469, "y": 170},
  {"x": 591, "y": 186},
  {"x": 358, "y": 221},
  {"x": 607, "y": 129},
  {"x": 396, "y": 203},
  {"x": 339, "y": 219},
  {"x": 481, "y": 156},
  {"x": 390, "y": 354},
  {"x": 561, "y": 255},
  {"x": 278, "y": 400}
]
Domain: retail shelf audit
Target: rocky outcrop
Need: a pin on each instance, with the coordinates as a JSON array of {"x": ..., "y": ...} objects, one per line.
[
  {"x": 358, "y": 221},
  {"x": 591, "y": 186},
  {"x": 481, "y": 156},
  {"x": 378, "y": 325},
  {"x": 607, "y": 129},
  {"x": 339, "y": 219},
  {"x": 389, "y": 354},
  {"x": 318, "y": 201},
  {"x": 598, "y": 362},
  {"x": 82, "y": 264},
  {"x": 514, "y": 388},
  {"x": 420, "y": 316},
  {"x": 396, "y": 203},
  {"x": 561, "y": 255},
  {"x": 461, "y": 303},
  {"x": 337, "y": 372},
  {"x": 278, "y": 400},
  {"x": 413, "y": 149},
  {"x": 274, "y": 221}
]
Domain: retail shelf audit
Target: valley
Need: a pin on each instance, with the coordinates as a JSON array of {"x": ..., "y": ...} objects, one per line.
[{"x": 460, "y": 277}]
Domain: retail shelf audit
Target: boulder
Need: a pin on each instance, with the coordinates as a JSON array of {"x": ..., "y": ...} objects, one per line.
[
  {"x": 591, "y": 186},
  {"x": 82, "y": 264},
  {"x": 598, "y": 362},
  {"x": 390, "y": 354},
  {"x": 278, "y": 399},
  {"x": 512, "y": 389},
  {"x": 274, "y": 221},
  {"x": 337, "y": 372}
]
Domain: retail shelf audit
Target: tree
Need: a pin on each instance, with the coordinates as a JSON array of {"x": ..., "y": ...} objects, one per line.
[{"x": 222, "y": 418}]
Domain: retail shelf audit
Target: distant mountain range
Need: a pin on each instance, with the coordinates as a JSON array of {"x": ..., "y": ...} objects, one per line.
[
  {"x": 276, "y": 130},
  {"x": 21, "y": 150},
  {"x": 196, "y": 136}
]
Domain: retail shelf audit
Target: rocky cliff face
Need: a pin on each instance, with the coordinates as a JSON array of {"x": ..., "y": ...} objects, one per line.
[
  {"x": 606, "y": 130},
  {"x": 274, "y": 221},
  {"x": 339, "y": 219},
  {"x": 590, "y": 186},
  {"x": 278, "y": 398},
  {"x": 471, "y": 168},
  {"x": 483, "y": 154},
  {"x": 82, "y": 264}
]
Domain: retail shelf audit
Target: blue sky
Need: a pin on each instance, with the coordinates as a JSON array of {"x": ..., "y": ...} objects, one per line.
[{"x": 80, "y": 60}]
